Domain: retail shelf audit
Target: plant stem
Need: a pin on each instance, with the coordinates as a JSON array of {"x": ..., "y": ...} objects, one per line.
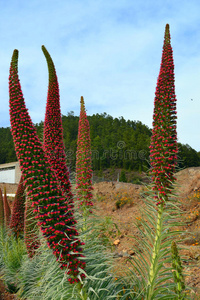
[{"x": 156, "y": 249}]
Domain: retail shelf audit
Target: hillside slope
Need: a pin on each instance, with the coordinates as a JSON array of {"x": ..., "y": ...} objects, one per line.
[{"x": 188, "y": 190}]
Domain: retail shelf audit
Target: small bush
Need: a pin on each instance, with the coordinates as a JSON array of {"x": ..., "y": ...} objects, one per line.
[
  {"x": 122, "y": 177},
  {"x": 121, "y": 198},
  {"x": 136, "y": 180},
  {"x": 12, "y": 252}
]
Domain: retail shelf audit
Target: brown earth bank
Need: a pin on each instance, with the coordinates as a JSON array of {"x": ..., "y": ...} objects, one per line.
[
  {"x": 119, "y": 204},
  {"x": 107, "y": 195}
]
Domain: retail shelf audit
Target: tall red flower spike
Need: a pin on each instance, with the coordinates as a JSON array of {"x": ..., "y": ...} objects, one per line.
[
  {"x": 7, "y": 211},
  {"x": 50, "y": 203},
  {"x": 163, "y": 148},
  {"x": 53, "y": 133},
  {"x": 83, "y": 160},
  {"x": 1, "y": 209},
  {"x": 17, "y": 215}
]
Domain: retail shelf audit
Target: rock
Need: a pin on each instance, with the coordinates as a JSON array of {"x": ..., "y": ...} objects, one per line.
[
  {"x": 116, "y": 254},
  {"x": 116, "y": 242},
  {"x": 125, "y": 253},
  {"x": 131, "y": 252}
]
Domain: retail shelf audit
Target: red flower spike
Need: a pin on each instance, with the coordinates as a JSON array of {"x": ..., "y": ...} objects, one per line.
[
  {"x": 49, "y": 202},
  {"x": 17, "y": 216},
  {"x": 83, "y": 160},
  {"x": 163, "y": 148},
  {"x": 53, "y": 133}
]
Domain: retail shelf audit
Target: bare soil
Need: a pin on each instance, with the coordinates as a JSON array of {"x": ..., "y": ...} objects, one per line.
[
  {"x": 188, "y": 183},
  {"x": 4, "y": 294}
]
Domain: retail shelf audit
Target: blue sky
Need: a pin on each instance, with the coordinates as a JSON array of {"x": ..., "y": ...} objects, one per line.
[{"x": 109, "y": 52}]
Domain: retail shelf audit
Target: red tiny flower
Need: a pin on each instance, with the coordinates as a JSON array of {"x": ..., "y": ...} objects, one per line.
[
  {"x": 53, "y": 134},
  {"x": 41, "y": 183},
  {"x": 17, "y": 216},
  {"x": 83, "y": 160},
  {"x": 164, "y": 136}
]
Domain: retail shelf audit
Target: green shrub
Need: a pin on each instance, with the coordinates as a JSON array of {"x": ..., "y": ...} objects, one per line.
[
  {"x": 122, "y": 177},
  {"x": 12, "y": 252}
]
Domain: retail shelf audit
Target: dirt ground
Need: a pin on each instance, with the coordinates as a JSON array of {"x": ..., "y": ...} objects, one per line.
[
  {"x": 11, "y": 188},
  {"x": 107, "y": 197},
  {"x": 188, "y": 184},
  {"x": 4, "y": 295}
]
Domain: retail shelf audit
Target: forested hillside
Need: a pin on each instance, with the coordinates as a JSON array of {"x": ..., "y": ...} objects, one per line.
[{"x": 115, "y": 143}]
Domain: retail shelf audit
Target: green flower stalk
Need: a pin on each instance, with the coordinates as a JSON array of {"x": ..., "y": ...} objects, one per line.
[
  {"x": 177, "y": 273},
  {"x": 7, "y": 211},
  {"x": 1, "y": 209},
  {"x": 83, "y": 161},
  {"x": 17, "y": 216},
  {"x": 50, "y": 204},
  {"x": 53, "y": 133}
]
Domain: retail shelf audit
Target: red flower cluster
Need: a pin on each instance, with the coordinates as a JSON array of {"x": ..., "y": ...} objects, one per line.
[
  {"x": 163, "y": 148},
  {"x": 17, "y": 216},
  {"x": 49, "y": 202},
  {"x": 83, "y": 160},
  {"x": 53, "y": 132}
]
